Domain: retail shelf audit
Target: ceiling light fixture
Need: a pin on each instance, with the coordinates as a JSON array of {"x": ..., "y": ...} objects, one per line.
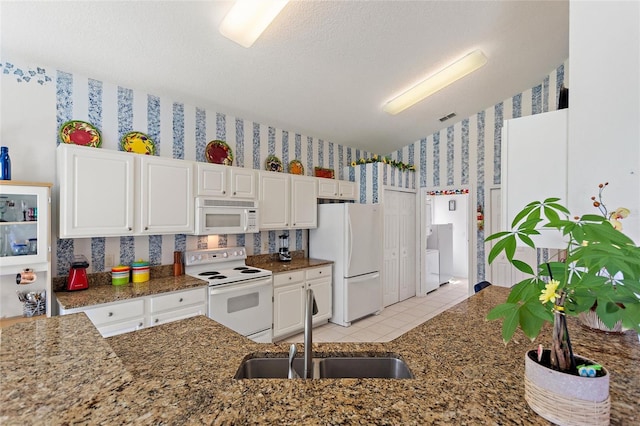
[
  {"x": 247, "y": 19},
  {"x": 437, "y": 81}
]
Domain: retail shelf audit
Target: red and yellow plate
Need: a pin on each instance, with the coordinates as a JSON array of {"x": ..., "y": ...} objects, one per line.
[
  {"x": 138, "y": 143},
  {"x": 79, "y": 132},
  {"x": 296, "y": 167},
  {"x": 218, "y": 152}
]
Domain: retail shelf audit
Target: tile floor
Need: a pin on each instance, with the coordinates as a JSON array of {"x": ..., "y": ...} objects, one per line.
[{"x": 394, "y": 320}]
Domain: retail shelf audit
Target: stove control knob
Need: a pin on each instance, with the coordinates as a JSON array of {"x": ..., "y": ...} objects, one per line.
[
  {"x": 241, "y": 252},
  {"x": 225, "y": 254},
  {"x": 235, "y": 252}
]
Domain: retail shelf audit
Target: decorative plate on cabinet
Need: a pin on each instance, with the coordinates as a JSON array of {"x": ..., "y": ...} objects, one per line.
[
  {"x": 324, "y": 173},
  {"x": 138, "y": 143},
  {"x": 79, "y": 132},
  {"x": 296, "y": 167},
  {"x": 218, "y": 152},
  {"x": 273, "y": 164}
]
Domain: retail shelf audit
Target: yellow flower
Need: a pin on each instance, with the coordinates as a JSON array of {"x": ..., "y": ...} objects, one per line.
[
  {"x": 353, "y": 164},
  {"x": 620, "y": 213},
  {"x": 549, "y": 292},
  {"x": 616, "y": 224}
]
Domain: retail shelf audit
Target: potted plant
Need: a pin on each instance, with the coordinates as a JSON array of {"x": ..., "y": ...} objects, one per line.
[{"x": 601, "y": 269}]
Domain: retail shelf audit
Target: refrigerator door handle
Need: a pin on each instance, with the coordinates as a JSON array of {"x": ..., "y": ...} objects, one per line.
[{"x": 349, "y": 242}]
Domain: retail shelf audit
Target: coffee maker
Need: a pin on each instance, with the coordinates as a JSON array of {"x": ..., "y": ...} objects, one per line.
[
  {"x": 283, "y": 253},
  {"x": 77, "y": 279}
]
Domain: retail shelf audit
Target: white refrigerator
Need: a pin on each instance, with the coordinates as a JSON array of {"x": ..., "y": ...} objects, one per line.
[
  {"x": 351, "y": 236},
  {"x": 441, "y": 239}
]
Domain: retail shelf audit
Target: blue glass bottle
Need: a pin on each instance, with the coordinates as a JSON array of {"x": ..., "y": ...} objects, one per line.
[{"x": 5, "y": 164}]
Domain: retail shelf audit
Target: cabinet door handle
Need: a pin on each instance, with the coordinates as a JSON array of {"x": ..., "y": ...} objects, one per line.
[
  {"x": 157, "y": 320},
  {"x": 110, "y": 314},
  {"x": 140, "y": 325},
  {"x": 234, "y": 192},
  {"x": 289, "y": 278},
  {"x": 146, "y": 228},
  {"x": 130, "y": 229},
  {"x": 180, "y": 300},
  {"x": 224, "y": 192}
]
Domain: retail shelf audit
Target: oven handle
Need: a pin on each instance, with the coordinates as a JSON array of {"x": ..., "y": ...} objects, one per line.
[
  {"x": 246, "y": 219},
  {"x": 236, "y": 287}
]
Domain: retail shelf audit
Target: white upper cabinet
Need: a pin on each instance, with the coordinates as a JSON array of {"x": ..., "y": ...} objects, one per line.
[
  {"x": 287, "y": 201},
  {"x": 274, "y": 200},
  {"x": 165, "y": 203},
  {"x": 220, "y": 181},
  {"x": 304, "y": 209},
  {"x": 337, "y": 189},
  {"x": 96, "y": 192},
  {"x": 112, "y": 193}
]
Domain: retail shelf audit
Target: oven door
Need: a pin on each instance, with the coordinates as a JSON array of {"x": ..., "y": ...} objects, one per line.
[{"x": 246, "y": 308}]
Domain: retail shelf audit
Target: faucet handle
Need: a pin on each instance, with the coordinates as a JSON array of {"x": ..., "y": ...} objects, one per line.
[{"x": 292, "y": 354}]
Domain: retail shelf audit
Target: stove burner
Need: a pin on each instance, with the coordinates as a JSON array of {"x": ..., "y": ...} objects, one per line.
[
  {"x": 204, "y": 274},
  {"x": 217, "y": 277},
  {"x": 249, "y": 271},
  {"x": 240, "y": 268}
]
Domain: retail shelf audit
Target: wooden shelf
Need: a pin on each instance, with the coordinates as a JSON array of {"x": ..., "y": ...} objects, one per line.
[{"x": 6, "y": 322}]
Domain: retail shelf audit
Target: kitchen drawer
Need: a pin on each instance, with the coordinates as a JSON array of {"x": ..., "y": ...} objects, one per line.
[
  {"x": 116, "y": 312},
  {"x": 178, "y": 314},
  {"x": 312, "y": 274},
  {"x": 288, "y": 278},
  {"x": 121, "y": 327},
  {"x": 178, "y": 299}
]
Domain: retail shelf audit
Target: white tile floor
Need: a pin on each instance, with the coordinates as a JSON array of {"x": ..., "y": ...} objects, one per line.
[{"x": 394, "y": 320}]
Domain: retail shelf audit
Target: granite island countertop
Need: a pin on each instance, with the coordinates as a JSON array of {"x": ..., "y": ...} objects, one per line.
[{"x": 182, "y": 373}]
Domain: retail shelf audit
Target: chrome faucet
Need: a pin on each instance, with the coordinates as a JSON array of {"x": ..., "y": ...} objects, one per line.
[{"x": 311, "y": 308}]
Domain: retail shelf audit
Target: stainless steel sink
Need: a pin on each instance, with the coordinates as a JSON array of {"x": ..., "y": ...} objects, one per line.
[
  {"x": 364, "y": 368},
  {"x": 327, "y": 368},
  {"x": 268, "y": 368}
]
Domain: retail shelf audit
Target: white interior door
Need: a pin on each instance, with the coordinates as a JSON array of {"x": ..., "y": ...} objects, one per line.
[
  {"x": 407, "y": 245},
  {"x": 390, "y": 284}
]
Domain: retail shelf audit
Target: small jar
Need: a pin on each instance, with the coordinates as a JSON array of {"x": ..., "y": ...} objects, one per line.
[
  {"x": 20, "y": 249},
  {"x": 33, "y": 246},
  {"x": 140, "y": 271},
  {"x": 120, "y": 275}
]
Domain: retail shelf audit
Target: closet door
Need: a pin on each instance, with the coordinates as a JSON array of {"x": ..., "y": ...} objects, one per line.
[
  {"x": 407, "y": 245},
  {"x": 390, "y": 283}
]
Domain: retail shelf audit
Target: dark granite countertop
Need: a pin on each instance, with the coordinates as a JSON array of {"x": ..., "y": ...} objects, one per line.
[
  {"x": 182, "y": 373},
  {"x": 278, "y": 267},
  {"x": 105, "y": 292}
]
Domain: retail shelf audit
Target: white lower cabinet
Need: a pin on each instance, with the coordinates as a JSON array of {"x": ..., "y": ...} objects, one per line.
[
  {"x": 289, "y": 297},
  {"x": 122, "y": 317},
  {"x": 177, "y": 306}
]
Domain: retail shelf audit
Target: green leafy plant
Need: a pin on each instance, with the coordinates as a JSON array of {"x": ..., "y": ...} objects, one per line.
[{"x": 601, "y": 270}]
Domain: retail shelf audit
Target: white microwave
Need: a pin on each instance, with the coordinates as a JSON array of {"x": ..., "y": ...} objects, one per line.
[{"x": 214, "y": 216}]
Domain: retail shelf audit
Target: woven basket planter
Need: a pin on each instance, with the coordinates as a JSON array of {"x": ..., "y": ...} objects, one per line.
[
  {"x": 591, "y": 320},
  {"x": 563, "y": 398}
]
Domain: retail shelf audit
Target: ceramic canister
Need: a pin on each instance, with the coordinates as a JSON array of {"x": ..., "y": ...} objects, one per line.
[
  {"x": 140, "y": 271},
  {"x": 120, "y": 275}
]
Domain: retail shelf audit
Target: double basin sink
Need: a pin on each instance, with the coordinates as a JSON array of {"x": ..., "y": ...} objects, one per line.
[{"x": 356, "y": 367}]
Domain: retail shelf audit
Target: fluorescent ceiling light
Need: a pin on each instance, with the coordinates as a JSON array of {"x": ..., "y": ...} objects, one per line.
[
  {"x": 439, "y": 80},
  {"x": 247, "y": 19}
]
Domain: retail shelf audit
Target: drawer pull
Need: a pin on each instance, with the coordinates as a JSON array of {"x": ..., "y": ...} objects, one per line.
[
  {"x": 110, "y": 314},
  {"x": 140, "y": 325},
  {"x": 181, "y": 299}
]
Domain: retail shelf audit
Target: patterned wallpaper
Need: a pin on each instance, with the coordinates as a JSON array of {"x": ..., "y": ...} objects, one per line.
[
  {"x": 182, "y": 131},
  {"x": 465, "y": 154}
]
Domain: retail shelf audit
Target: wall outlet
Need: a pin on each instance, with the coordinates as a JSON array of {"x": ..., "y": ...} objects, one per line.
[{"x": 109, "y": 261}]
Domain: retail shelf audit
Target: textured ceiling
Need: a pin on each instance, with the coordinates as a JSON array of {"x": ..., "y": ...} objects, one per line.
[{"x": 323, "y": 68}]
